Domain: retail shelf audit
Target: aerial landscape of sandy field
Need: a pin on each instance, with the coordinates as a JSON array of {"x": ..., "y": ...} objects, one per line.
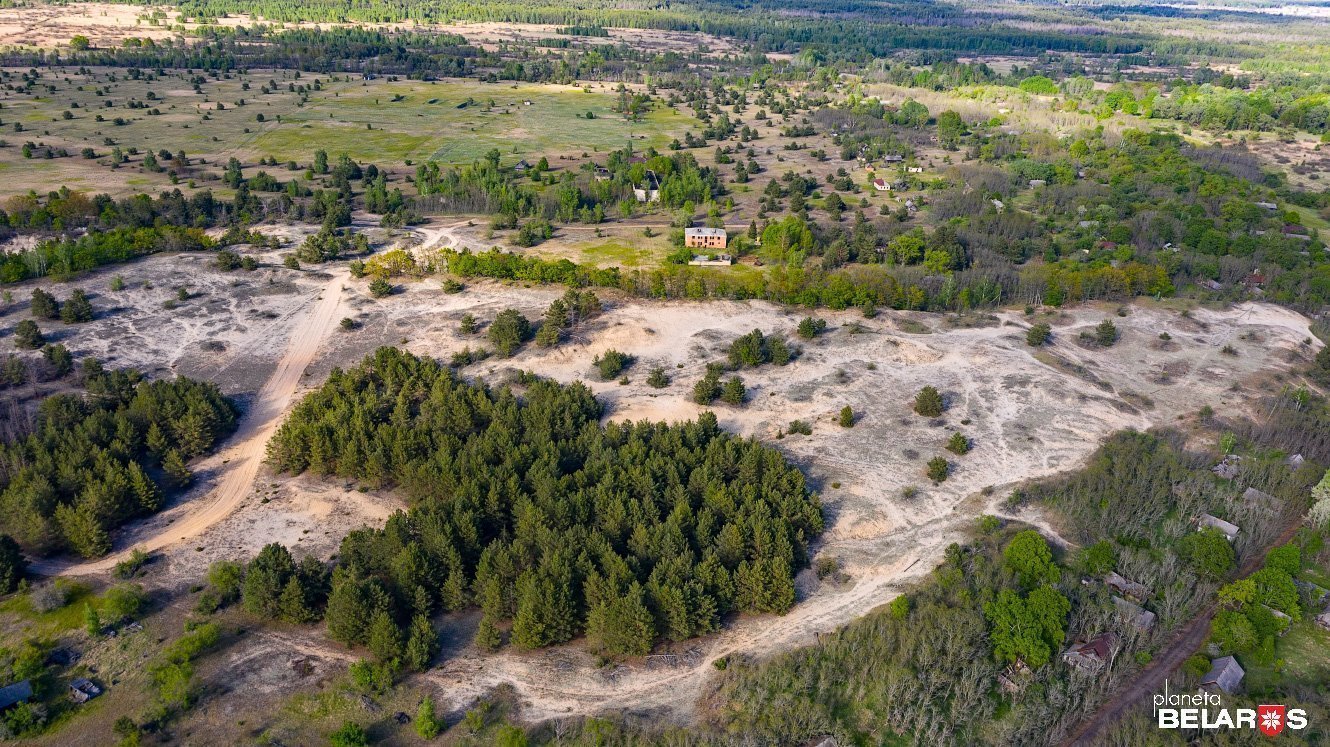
[{"x": 917, "y": 372}]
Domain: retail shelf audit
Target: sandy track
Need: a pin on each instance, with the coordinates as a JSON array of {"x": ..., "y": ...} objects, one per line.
[
  {"x": 246, "y": 451},
  {"x": 245, "y": 454}
]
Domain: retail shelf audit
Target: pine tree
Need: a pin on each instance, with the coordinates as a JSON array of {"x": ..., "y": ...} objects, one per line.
[
  {"x": 147, "y": 493},
  {"x": 422, "y": 644},
  {"x": 294, "y": 605},
  {"x": 44, "y": 305},
  {"x": 929, "y": 402},
  {"x": 622, "y": 626},
  {"x": 266, "y": 578},
  {"x": 82, "y": 531},
  {"x": 12, "y": 564},
  {"x": 427, "y": 723},
  {"x": 77, "y": 309},
  {"x": 734, "y": 392},
  {"x": 176, "y": 469},
  {"x": 28, "y": 335},
  {"x": 846, "y": 418},
  {"x": 488, "y": 637},
  {"x": 384, "y": 638},
  {"x": 92, "y": 622}
]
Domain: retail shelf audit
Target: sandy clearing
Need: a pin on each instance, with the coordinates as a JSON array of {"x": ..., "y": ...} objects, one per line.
[
  {"x": 1030, "y": 414},
  {"x": 1027, "y": 417},
  {"x": 247, "y": 449}
]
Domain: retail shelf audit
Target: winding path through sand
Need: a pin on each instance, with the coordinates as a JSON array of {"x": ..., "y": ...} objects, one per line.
[{"x": 245, "y": 453}]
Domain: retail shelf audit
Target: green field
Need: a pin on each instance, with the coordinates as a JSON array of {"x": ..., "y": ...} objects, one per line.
[
  {"x": 1302, "y": 655},
  {"x": 375, "y": 121}
]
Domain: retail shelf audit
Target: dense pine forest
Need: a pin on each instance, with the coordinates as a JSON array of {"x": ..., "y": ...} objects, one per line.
[
  {"x": 101, "y": 457},
  {"x": 525, "y": 505}
]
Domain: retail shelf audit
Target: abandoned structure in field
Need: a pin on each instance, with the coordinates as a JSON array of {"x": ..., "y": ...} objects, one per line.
[{"x": 705, "y": 238}]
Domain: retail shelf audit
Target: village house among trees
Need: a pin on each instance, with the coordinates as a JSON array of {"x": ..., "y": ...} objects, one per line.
[{"x": 705, "y": 238}]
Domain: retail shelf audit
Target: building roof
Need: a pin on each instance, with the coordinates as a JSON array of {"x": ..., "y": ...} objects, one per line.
[
  {"x": 1124, "y": 585},
  {"x": 15, "y": 694},
  {"x": 1225, "y": 673},
  {"x": 1134, "y": 613},
  {"x": 1260, "y": 498},
  {"x": 1208, "y": 521},
  {"x": 704, "y": 231},
  {"x": 1092, "y": 652}
]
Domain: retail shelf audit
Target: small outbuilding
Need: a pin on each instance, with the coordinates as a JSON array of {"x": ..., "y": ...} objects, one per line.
[
  {"x": 1225, "y": 674},
  {"x": 1093, "y": 654},
  {"x": 12, "y": 695},
  {"x": 1135, "y": 614},
  {"x": 1213, "y": 522},
  {"x": 1126, "y": 587}
]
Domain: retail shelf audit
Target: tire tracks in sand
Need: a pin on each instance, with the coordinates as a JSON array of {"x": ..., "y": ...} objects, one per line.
[{"x": 243, "y": 456}]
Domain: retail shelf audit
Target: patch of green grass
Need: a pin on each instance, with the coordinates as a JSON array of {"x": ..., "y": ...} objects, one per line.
[
  {"x": 1316, "y": 576},
  {"x": 1305, "y": 655},
  {"x": 34, "y": 623},
  {"x": 616, "y": 252}
]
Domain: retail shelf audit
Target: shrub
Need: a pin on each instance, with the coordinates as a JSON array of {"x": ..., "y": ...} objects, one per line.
[
  {"x": 801, "y": 427},
  {"x": 938, "y": 468},
  {"x": 846, "y": 418},
  {"x": 811, "y": 327},
  {"x": 734, "y": 392},
  {"x": 44, "y": 305},
  {"x": 380, "y": 287},
  {"x": 77, "y": 309},
  {"x": 929, "y": 402},
  {"x": 706, "y": 390},
  {"x": 958, "y": 444},
  {"x": 611, "y": 363},
  {"x": 1038, "y": 335},
  {"x": 1106, "y": 334},
  {"x": 130, "y": 567},
  {"x": 28, "y": 335},
  {"x": 658, "y": 379},
  {"x": 508, "y": 331}
]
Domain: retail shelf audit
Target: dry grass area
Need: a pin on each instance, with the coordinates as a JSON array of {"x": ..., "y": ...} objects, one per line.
[{"x": 105, "y": 24}]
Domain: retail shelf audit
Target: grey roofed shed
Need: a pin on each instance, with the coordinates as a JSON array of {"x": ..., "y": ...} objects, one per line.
[
  {"x": 14, "y": 694},
  {"x": 1225, "y": 674}
]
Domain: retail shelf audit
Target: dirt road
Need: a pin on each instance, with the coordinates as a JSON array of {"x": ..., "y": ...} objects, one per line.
[
  {"x": 246, "y": 450},
  {"x": 1151, "y": 679}
]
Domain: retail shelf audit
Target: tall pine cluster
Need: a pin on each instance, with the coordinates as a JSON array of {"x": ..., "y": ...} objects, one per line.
[
  {"x": 96, "y": 460},
  {"x": 529, "y": 508}
]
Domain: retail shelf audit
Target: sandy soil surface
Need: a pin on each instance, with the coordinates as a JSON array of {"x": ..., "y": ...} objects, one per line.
[
  {"x": 228, "y": 476},
  {"x": 105, "y": 24},
  {"x": 1030, "y": 413}
]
